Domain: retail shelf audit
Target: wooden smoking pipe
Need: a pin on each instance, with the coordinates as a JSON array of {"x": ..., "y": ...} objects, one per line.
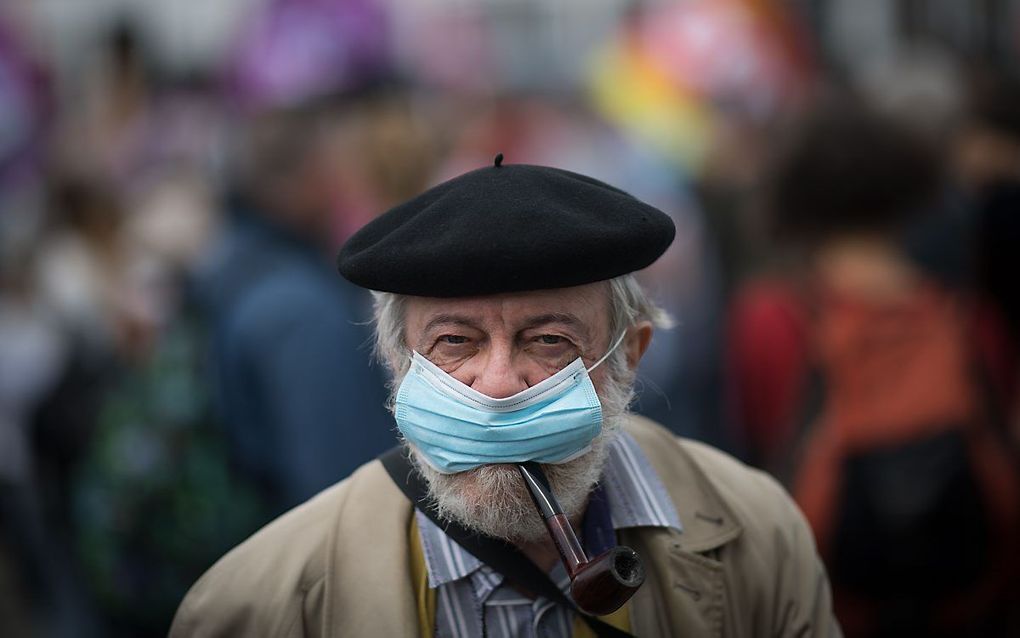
[{"x": 599, "y": 586}]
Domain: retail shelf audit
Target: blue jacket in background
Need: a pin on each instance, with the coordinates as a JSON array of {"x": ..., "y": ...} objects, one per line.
[{"x": 296, "y": 387}]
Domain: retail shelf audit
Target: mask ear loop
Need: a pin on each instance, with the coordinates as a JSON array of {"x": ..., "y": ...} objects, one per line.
[{"x": 615, "y": 345}]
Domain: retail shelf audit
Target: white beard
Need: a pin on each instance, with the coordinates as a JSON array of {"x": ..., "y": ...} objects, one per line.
[{"x": 493, "y": 499}]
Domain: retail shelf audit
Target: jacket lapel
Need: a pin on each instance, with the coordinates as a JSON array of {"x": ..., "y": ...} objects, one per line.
[
  {"x": 689, "y": 586},
  {"x": 368, "y": 583}
]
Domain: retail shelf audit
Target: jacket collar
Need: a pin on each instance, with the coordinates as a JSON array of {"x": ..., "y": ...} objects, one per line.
[{"x": 708, "y": 522}]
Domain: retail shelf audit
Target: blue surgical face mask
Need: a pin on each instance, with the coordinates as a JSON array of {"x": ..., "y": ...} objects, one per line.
[{"x": 457, "y": 428}]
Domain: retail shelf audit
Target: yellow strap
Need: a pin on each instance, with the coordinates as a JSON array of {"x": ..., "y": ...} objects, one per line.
[
  {"x": 426, "y": 597},
  {"x": 619, "y": 619}
]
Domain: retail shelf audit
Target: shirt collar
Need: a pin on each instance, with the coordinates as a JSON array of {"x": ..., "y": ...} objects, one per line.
[{"x": 635, "y": 494}]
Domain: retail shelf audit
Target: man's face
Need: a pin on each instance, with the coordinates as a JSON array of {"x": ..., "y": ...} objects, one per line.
[{"x": 500, "y": 345}]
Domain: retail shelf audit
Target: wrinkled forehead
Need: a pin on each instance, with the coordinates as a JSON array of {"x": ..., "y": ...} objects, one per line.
[{"x": 586, "y": 307}]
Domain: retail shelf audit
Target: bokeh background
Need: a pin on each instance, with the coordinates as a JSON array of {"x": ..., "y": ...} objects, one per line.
[{"x": 179, "y": 362}]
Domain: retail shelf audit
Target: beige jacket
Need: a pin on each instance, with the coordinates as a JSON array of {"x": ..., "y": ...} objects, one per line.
[{"x": 744, "y": 565}]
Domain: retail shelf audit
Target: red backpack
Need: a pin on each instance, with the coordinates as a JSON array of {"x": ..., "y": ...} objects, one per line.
[{"x": 894, "y": 450}]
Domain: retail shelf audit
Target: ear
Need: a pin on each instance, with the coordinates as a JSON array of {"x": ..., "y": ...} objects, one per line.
[{"x": 639, "y": 336}]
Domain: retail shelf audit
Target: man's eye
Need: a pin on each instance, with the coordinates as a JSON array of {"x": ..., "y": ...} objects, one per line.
[
  {"x": 551, "y": 340},
  {"x": 453, "y": 339}
]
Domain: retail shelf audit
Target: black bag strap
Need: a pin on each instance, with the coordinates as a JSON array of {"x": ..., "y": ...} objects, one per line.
[{"x": 496, "y": 553}]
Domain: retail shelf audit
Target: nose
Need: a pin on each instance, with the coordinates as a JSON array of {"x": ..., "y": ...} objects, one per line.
[{"x": 497, "y": 377}]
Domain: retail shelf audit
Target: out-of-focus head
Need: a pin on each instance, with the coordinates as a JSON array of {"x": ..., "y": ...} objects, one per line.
[
  {"x": 282, "y": 167},
  {"x": 326, "y": 167},
  {"x": 846, "y": 169},
  {"x": 921, "y": 86},
  {"x": 988, "y": 145},
  {"x": 501, "y": 277},
  {"x": 312, "y": 84}
]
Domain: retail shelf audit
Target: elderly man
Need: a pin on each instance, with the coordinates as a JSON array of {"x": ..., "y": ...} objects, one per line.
[{"x": 512, "y": 325}]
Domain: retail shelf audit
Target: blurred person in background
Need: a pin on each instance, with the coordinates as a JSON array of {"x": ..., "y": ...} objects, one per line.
[
  {"x": 40, "y": 593},
  {"x": 323, "y": 143},
  {"x": 84, "y": 277},
  {"x": 970, "y": 240},
  {"x": 699, "y": 86},
  {"x": 988, "y": 166},
  {"x": 290, "y": 345},
  {"x": 987, "y": 163},
  {"x": 868, "y": 384}
]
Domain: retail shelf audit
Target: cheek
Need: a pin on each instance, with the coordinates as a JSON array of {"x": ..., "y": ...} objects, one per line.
[
  {"x": 551, "y": 360},
  {"x": 538, "y": 369},
  {"x": 523, "y": 370},
  {"x": 599, "y": 379}
]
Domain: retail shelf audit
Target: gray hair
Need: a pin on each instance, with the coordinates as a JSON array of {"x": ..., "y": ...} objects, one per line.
[{"x": 629, "y": 304}]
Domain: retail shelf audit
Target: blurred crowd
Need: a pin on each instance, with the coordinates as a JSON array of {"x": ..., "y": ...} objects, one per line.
[{"x": 179, "y": 361}]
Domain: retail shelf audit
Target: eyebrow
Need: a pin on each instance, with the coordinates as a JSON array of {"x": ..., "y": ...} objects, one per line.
[
  {"x": 458, "y": 320},
  {"x": 532, "y": 322},
  {"x": 559, "y": 317}
]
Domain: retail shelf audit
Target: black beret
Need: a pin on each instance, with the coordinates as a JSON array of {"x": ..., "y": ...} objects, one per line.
[{"x": 506, "y": 228}]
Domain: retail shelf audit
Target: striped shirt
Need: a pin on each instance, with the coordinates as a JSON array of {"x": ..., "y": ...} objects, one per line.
[{"x": 471, "y": 599}]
